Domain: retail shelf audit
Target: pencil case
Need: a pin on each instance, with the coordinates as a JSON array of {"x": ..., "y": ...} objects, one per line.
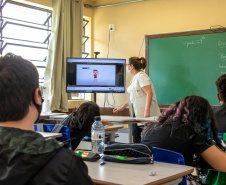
[{"x": 135, "y": 153}]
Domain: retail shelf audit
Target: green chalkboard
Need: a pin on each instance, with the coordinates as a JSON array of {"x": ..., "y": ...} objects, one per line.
[{"x": 186, "y": 63}]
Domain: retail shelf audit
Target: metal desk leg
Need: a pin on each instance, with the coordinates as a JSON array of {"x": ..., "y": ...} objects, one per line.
[
  {"x": 130, "y": 126},
  {"x": 112, "y": 134}
]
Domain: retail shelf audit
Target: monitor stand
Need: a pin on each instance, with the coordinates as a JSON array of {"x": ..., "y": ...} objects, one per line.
[{"x": 95, "y": 98}]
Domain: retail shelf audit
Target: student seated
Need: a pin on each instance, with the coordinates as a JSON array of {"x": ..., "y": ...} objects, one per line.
[
  {"x": 188, "y": 127},
  {"x": 26, "y": 157},
  {"x": 82, "y": 121},
  {"x": 220, "y": 112}
]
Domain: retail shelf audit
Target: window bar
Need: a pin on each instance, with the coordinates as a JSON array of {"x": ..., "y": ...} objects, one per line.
[
  {"x": 87, "y": 54},
  {"x": 28, "y": 6},
  {"x": 86, "y": 22},
  {"x": 46, "y": 41},
  {"x": 17, "y": 24},
  {"x": 47, "y": 20},
  {"x": 23, "y": 45},
  {"x": 24, "y": 40},
  {"x": 23, "y": 21}
]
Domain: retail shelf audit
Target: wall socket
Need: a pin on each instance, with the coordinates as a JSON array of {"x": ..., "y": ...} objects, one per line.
[{"x": 112, "y": 27}]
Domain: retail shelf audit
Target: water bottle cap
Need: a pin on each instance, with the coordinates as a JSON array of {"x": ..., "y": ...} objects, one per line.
[{"x": 97, "y": 118}]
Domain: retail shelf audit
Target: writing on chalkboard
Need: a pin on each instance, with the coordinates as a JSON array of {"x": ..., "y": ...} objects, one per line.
[
  {"x": 195, "y": 42},
  {"x": 221, "y": 44},
  {"x": 222, "y": 56},
  {"x": 222, "y": 66}
]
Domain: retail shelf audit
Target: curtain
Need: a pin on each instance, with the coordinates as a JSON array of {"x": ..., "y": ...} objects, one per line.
[{"x": 66, "y": 41}]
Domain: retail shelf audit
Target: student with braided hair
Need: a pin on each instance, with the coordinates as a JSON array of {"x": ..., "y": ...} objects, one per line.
[
  {"x": 141, "y": 97},
  {"x": 188, "y": 127},
  {"x": 220, "y": 112}
]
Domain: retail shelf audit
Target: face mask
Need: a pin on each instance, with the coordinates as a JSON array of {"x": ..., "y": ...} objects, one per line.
[
  {"x": 38, "y": 107},
  {"x": 128, "y": 70}
]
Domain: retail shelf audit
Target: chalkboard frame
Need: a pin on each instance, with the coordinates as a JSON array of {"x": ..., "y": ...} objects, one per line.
[{"x": 175, "y": 34}]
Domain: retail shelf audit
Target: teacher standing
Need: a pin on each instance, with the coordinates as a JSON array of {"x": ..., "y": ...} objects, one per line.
[{"x": 141, "y": 97}]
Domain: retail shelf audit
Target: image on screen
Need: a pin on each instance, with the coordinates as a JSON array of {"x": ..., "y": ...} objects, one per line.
[
  {"x": 103, "y": 75},
  {"x": 95, "y": 75}
]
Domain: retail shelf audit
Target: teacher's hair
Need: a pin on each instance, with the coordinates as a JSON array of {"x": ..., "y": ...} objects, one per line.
[
  {"x": 138, "y": 63},
  {"x": 221, "y": 87},
  {"x": 18, "y": 80}
]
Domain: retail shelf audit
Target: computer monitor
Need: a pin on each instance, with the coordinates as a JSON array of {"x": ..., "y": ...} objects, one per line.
[{"x": 93, "y": 75}]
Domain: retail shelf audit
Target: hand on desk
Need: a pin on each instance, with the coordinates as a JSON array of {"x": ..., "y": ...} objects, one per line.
[{"x": 117, "y": 109}]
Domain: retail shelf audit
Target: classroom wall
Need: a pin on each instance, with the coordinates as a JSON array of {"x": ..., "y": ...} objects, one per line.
[{"x": 132, "y": 21}]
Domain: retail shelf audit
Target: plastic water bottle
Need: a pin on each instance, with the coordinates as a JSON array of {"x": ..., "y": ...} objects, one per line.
[{"x": 98, "y": 136}]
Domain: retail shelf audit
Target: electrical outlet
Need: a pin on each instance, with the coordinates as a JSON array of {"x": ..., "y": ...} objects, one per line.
[{"x": 112, "y": 27}]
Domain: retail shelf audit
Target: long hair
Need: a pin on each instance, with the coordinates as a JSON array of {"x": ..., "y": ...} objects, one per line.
[
  {"x": 83, "y": 116},
  {"x": 194, "y": 115}
]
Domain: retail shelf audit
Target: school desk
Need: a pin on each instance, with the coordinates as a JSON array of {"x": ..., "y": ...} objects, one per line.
[
  {"x": 135, "y": 174},
  {"x": 127, "y": 120},
  {"x": 58, "y": 117},
  {"x": 50, "y": 134},
  {"x": 86, "y": 145}
]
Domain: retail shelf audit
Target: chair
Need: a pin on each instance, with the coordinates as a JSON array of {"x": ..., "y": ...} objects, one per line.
[
  {"x": 65, "y": 121},
  {"x": 50, "y": 127},
  {"x": 169, "y": 156},
  {"x": 221, "y": 135}
]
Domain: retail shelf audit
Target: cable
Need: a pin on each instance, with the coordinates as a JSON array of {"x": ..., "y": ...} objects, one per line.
[
  {"x": 112, "y": 105},
  {"x": 104, "y": 99},
  {"x": 142, "y": 45},
  {"x": 106, "y": 96},
  {"x": 108, "y": 42}
]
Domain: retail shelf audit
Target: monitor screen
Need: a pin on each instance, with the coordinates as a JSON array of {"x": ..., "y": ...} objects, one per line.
[{"x": 91, "y": 75}]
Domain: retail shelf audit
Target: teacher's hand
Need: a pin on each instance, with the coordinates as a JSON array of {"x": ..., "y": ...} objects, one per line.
[
  {"x": 117, "y": 109},
  {"x": 146, "y": 114}
]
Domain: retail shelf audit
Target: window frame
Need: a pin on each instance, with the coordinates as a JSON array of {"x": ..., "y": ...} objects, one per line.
[{"x": 10, "y": 41}]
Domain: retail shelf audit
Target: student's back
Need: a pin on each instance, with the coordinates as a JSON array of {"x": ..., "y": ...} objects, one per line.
[
  {"x": 220, "y": 112},
  {"x": 188, "y": 127},
  {"x": 26, "y": 157}
]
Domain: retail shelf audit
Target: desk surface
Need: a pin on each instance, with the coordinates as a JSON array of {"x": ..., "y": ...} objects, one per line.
[
  {"x": 50, "y": 134},
  {"x": 46, "y": 116},
  {"x": 112, "y": 127},
  {"x": 135, "y": 174},
  {"x": 127, "y": 119}
]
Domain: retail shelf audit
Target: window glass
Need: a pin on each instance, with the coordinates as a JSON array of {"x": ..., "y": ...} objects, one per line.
[{"x": 25, "y": 31}]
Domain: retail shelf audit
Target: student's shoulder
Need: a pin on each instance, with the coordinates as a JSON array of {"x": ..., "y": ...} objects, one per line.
[{"x": 219, "y": 108}]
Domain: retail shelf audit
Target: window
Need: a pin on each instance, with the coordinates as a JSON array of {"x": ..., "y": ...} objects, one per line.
[
  {"x": 84, "y": 39},
  {"x": 25, "y": 31}
]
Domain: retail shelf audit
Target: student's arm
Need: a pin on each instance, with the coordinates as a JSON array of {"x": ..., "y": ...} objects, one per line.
[
  {"x": 148, "y": 91},
  {"x": 121, "y": 108},
  {"x": 215, "y": 157}
]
